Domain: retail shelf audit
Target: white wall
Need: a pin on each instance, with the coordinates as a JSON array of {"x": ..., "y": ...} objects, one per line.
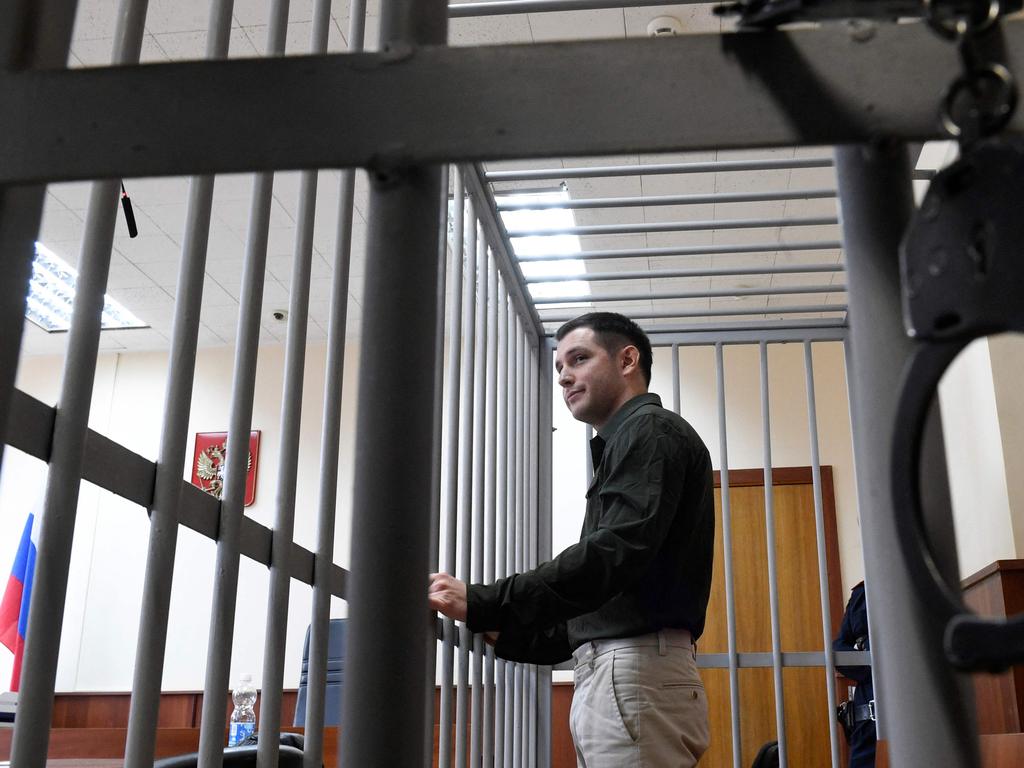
[
  {"x": 108, "y": 560},
  {"x": 983, "y": 422}
]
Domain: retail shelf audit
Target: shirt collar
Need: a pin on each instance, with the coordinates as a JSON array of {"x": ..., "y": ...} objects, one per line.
[{"x": 598, "y": 441}]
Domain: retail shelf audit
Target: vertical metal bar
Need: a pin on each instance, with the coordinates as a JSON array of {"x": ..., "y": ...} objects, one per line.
[
  {"x": 819, "y": 526},
  {"x": 545, "y": 387},
  {"x": 320, "y": 616},
  {"x": 675, "y": 378},
  {"x": 531, "y": 441},
  {"x": 330, "y": 441},
  {"x": 452, "y": 460},
  {"x": 163, "y": 530},
  {"x": 517, "y": 730},
  {"x": 46, "y": 611},
  {"x": 284, "y": 527},
  {"x": 490, "y": 495},
  {"x": 479, "y": 461},
  {"x": 435, "y": 496},
  {"x": 462, "y": 693},
  {"x": 501, "y": 503},
  {"x": 225, "y": 585},
  {"x": 926, "y": 710},
  {"x": 37, "y": 35},
  {"x": 730, "y": 594},
  {"x": 773, "y": 576},
  {"x": 588, "y": 435},
  {"x": 510, "y": 518},
  {"x": 382, "y": 715},
  {"x": 520, "y": 553}
]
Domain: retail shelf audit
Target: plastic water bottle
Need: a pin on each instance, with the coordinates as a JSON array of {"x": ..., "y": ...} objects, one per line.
[{"x": 243, "y": 717}]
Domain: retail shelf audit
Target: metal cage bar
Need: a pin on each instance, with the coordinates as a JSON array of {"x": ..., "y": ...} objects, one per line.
[
  {"x": 389, "y": 556},
  {"x": 545, "y": 403},
  {"x": 438, "y": 491},
  {"x": 501, "y": 503},
  {"x": 657, "y": 169},
  {"x": 819, "y": 529},
  {"x": 773, "y": 578},
  {"x": 163, "y": 533},
  {"x": 329, "y": 450},
  {"x": 466, "y": 476},
  {"x": 488, "y": 571},
  {"x": 284, "y": 526},
  {"x": 479, "y": 490},
  {"x": 927, "y": 714},
  {"x": 452, "y": 432},
  {"x": 730, "y": 594},
  {"x": 46, "y": 611},
  {"x": 511, "y": 698}
]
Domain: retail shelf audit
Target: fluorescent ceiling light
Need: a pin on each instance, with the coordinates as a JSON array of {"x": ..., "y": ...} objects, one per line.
[
  {"x": 52, "y": 294},
  {"x": 547, "y": 218}
]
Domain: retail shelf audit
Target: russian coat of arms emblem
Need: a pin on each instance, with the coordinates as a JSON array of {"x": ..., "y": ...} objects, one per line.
[{"x": 210, "y": 462}]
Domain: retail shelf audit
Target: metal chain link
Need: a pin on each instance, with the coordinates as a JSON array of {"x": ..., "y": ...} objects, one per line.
[{"x": 982, "y": 99}]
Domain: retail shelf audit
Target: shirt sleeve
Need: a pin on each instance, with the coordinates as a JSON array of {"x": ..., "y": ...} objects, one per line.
[
  {"x": 549, "y": 645},
  {"x": 639, "y": 495}
]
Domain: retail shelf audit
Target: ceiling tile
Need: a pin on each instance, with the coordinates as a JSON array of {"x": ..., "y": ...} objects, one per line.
[
  {"x": 147, "y": 248},
  {"x": 163, "y": 273},
  {"x": 59, "y": 224},
  {"x": 577, "y": 25},
  {"x": 489, "y": 30},
  {"x": 74, "y": 194},
  {"x": 692, "y": 18}
]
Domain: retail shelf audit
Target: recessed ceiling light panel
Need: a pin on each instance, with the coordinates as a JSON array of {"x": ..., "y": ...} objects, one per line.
[{"x": 52, "y": 294}]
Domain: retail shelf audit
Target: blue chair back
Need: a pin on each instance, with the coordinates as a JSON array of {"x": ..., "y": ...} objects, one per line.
[{"x": 335, "y": 675}]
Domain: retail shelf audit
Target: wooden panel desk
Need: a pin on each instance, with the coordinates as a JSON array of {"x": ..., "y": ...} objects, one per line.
[{"x": 84, "y": 746}]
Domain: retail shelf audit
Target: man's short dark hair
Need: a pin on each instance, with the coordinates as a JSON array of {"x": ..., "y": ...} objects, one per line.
[{"x": 613, "y": 332}]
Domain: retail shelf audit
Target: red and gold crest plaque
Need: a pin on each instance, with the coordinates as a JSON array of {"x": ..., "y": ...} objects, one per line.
[{"x": 208, "y": 463}]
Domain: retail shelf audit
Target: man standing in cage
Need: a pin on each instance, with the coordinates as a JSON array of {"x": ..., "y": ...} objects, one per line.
[{"x": 628, "y": 601}]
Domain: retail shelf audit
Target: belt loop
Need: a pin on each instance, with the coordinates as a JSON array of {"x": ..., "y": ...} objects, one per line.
[{"x": 661, "y": 642}]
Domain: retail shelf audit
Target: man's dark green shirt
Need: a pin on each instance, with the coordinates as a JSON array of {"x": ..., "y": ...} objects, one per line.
[{"x": 643, "y": 562}]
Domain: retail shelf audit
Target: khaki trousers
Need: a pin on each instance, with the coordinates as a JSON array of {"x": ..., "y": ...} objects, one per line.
[{"x": 639, "y": 703}]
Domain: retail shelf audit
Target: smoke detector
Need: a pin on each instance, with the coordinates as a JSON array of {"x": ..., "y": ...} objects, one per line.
[{"x": 664, "y": 26}]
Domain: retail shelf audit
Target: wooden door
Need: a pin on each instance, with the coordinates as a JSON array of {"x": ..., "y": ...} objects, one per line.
[{"x": 806, "y": 704}]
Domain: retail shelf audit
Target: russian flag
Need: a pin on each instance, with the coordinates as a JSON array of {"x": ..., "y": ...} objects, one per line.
[{"x": 14, "y": 606}]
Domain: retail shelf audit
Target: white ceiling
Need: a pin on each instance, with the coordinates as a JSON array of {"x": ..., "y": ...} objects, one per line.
[{"x": 144, "y": 270}]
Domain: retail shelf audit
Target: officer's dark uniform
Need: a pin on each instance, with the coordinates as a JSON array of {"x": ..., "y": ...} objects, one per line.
[{"x": 853, "y": 636}]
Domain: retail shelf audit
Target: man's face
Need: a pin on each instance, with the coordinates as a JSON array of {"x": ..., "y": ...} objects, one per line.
[{"x": 593, "y": 385}]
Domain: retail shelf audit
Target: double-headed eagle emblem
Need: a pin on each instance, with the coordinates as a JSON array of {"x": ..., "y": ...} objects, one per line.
[{"x": 210, "y": 466}]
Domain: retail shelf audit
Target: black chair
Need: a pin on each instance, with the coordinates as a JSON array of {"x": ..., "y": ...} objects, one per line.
[
  {"x": 335, "y": 675},
  {"x": 767, "y": 756},
  {"x": 244, "y": 755}
]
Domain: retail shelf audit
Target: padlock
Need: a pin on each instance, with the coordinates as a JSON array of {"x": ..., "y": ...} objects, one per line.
[
  {"x": 962, "y": 270},
  {"x": 962, "y": 257}
]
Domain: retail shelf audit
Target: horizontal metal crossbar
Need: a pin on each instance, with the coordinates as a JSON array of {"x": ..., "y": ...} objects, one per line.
[
  {"x": 656, "y": 200},
  {"x": 438, "y": 104},
  {"x": 606, "y": 229},
  {"x": 716, "y": 294},
  {"x": 784, "y": 332},
  {"x": 657, "y": 169},
  {"x": 760, "y": 660},
  {"x": 670, "y": 314},
  {"x": 789, "y": 659},
  {"x": 664, "y": 274},
  {"x": 110, "y": 465},
  {"x": 696, "y": 250},
  {"x": 507, "y": 7}
]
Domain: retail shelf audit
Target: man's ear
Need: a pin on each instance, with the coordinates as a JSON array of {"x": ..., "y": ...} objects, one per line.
[{"x": 629, "y": 359}]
